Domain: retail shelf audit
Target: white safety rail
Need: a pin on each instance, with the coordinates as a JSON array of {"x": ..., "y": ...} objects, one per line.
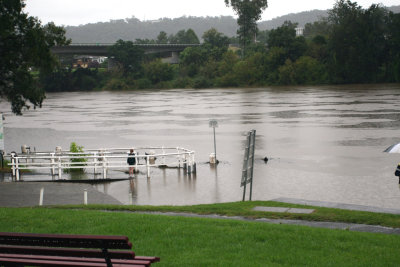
[{"x": 99, "y": 161}]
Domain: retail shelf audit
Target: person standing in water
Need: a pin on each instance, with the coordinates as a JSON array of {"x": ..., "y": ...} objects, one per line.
[{"x": 132, "y": 162}]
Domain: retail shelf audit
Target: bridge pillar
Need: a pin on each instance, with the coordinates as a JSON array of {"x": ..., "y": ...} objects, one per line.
[{"x": 174, "y": 59}]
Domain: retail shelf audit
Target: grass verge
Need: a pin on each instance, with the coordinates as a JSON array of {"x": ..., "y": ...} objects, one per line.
[
  {"x": 245, "y": 209},
  {"x": 181, "y": 241}
]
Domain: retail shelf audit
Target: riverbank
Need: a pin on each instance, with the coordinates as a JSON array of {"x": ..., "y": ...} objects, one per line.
[{"x": 187, "y": 241}]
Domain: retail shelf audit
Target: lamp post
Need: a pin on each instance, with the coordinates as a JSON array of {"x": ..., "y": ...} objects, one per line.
[{"x": 214, "y": 123}]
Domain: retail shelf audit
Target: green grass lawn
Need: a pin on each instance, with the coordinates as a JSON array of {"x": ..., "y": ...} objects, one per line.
[
  {"x": 245, "y": 209},
  {"x": 182, "y": 241}
]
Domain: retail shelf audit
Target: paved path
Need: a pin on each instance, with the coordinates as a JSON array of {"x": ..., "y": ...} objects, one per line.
[
  {"x": 336, "y": 205},
  {"x": 25, "y": 194},
  {"x": 329, "y": 225}
]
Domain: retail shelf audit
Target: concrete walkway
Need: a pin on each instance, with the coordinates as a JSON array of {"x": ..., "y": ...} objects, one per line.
[
  {"x": 26, "y": 194},
  {"x": 329, "y": 225},
  {"x": 336, "y": 205}
]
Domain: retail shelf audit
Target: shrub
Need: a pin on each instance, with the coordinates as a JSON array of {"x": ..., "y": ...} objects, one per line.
[{"x": 74, "y": 148}]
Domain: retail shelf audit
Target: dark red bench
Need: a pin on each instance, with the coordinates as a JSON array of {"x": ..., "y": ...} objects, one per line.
[{"x": 20, "y": 249}]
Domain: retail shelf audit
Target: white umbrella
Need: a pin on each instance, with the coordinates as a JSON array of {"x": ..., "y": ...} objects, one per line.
[{"x": 393, "y": 148}]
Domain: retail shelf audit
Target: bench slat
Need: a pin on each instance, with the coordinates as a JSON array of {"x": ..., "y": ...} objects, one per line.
[
  {"x": 90, "y": 253},
  {"x": 51, "y": 263},
  {"x": 75, "y": 259}
]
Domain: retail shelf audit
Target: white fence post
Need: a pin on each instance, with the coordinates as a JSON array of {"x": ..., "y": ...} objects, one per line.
[
  {"x": 95, "y": 162},
  {"x": 85, "y": 197},
  {"x": 104, "y": 168},
  {"x": 163, "y": 157},
  {"x": 13, "y": 164},
  {"x": 16, "y": 169},
  {"x": 53, "y": 171},
  {"x": 189, "y": 166},
  {"x": 193, "y": 164},
  {"x": 179, "y": 157},
  {"x": 41, "y": 196},
  {"x": 59, "y": 168}
]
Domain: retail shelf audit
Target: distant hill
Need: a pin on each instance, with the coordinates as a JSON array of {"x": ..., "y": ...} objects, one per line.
[
  {"x": 301, "y": 18},
  {"x": 133, "y": 28}
]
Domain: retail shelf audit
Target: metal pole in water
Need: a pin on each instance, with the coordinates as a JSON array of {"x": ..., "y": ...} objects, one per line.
[
  {"x": 253, "y": 145},
  {"x": 148, "y": 166},
  {"x": 85, "y": 197},
  {"x": 215, "y": 147},
  {"x": 41, "y": 196},
  {"x": 214, "y": 124}
]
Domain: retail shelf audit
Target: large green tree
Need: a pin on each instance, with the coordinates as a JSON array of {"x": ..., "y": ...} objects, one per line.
[
  {"x": 24, "y": 46},
  {"x": 285, "y": 37},
  {"x": 358, "y": 42},
  {"x": 128, "y": 56},
  {"x": 216, "y": 43},
  {"x": 393, "y": 63},
  {"x": 249, "y": 12}
]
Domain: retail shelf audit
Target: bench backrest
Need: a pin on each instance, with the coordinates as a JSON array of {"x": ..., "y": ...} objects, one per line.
[{"x": 75, "y": 241}]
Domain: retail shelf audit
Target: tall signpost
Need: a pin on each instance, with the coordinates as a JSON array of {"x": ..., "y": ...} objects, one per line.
[
  {"x": 214, "y": 124},
  {"x": 248, "y": 163},
  {"x": 1, "y": 139}
]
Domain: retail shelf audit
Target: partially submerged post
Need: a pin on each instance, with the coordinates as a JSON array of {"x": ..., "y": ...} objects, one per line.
[{"x": 248, "y": 163}]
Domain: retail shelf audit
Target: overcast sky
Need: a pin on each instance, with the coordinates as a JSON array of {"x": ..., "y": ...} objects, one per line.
[{"x": 76, "y": 12}]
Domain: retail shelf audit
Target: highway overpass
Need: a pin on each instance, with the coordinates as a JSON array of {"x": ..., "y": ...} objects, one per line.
[{"x": 102, "y": 49}]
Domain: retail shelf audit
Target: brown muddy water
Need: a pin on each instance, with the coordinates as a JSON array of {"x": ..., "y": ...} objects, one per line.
[{"x": 324, "y": 143}]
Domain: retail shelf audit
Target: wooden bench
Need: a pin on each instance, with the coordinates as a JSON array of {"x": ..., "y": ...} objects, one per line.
[{"x": 20, "y": 249}]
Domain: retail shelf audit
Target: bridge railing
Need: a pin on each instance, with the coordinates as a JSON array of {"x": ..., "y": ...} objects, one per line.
[
  {"x": 102, "y": 160},
  {"x": 144, "y": 45}
]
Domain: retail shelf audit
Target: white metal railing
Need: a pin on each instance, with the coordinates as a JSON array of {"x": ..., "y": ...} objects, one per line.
[{"x": 102, "y": 160}]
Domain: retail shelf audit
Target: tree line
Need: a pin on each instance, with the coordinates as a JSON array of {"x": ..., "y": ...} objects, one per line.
[{"x": 351, "y": 45}]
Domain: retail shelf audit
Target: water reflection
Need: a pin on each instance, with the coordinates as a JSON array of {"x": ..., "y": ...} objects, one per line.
[{"x": 326, "y": 142}]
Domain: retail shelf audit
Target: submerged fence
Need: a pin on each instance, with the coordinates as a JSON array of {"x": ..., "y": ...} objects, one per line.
[{"x": 101, "y": 160}]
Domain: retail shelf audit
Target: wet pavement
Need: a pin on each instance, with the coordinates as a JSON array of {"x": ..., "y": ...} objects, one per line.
[
  {"x": 27, "y": 194},
  {"x": 336, "y": 205},
  {"x": 328, "y": 225}
]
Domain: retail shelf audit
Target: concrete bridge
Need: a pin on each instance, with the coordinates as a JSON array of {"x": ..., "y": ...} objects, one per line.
[{"x": 102, "y": 49}]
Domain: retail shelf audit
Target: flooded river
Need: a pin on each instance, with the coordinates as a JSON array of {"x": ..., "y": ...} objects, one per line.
[{"x": 324, "y": 143}]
